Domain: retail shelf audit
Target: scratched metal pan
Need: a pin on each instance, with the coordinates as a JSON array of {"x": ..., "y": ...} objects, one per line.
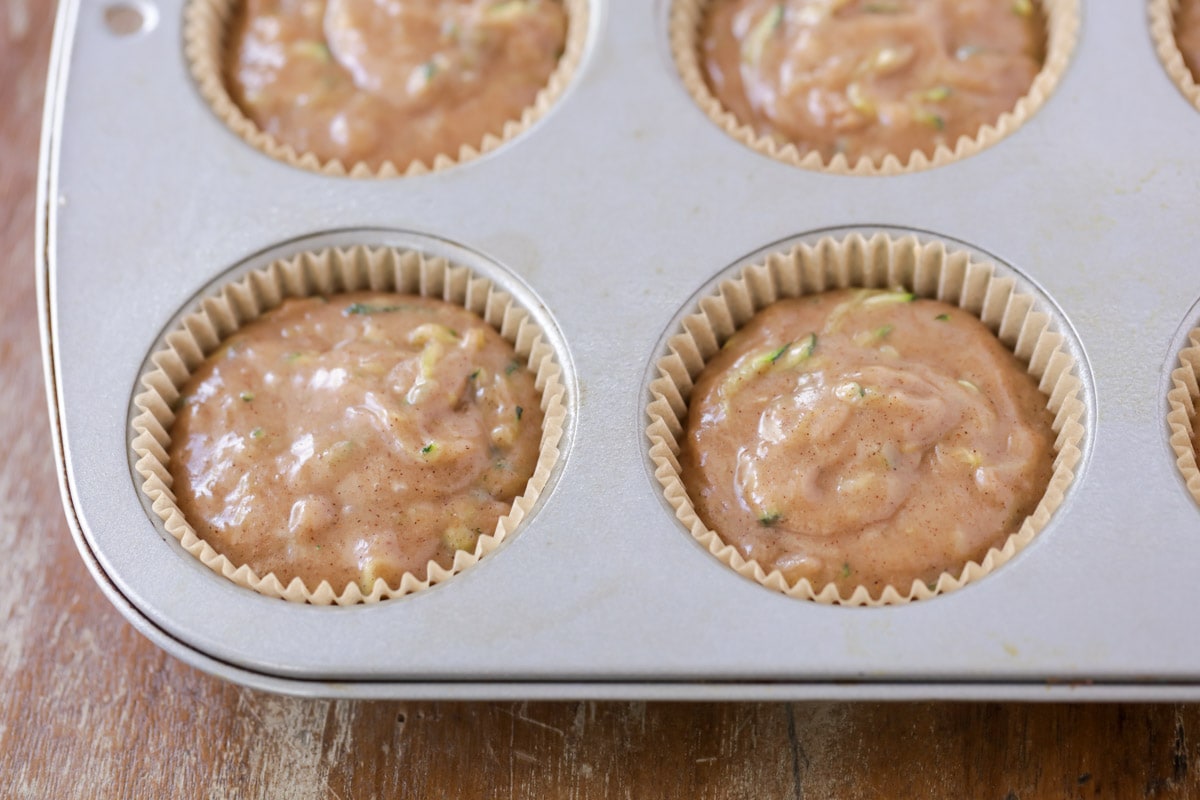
[{"x": 608, "y": 218}]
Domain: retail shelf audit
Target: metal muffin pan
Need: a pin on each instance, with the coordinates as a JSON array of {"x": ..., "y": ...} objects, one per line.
[{"x": 613, "y": 211}]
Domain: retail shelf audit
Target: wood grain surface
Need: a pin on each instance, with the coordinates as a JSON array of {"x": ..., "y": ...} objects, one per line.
[{"x": 93, "y": 710}]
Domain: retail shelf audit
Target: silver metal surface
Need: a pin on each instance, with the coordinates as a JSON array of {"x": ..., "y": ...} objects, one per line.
[{"x": 615, "y": 210}]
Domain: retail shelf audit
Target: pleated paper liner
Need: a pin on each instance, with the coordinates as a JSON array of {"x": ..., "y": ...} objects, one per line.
[
  {"x": 328, "y": 272},
  {"x": 1183, "y": 399},
  {"x": 1062, "y": 29},
  {"x": 206, "y": 33},
  {"x": 1162, "y": 31},
  {"x": 928, "y": 269}
]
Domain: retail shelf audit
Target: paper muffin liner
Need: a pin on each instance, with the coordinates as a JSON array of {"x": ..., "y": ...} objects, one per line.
[
  {"x": 929, "y": 270},
  {"x": 329, "y": 272},
  {"x": 206, "y": 35},
  {"x": 1183, "y": 399},
  {"x": 1062, "y": 29},
  {"x": 1162, "y": 31}
]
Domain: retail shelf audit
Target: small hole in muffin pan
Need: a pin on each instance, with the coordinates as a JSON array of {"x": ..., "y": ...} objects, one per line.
[
  {"x": 1013, "y": 306},
  {"x": 327, "y": 264},
  {"x": 129, "y": 19}
]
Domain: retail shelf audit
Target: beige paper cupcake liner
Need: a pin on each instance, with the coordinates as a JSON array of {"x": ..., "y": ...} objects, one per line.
[
  {"x": 206, "y": 34},
  {"x": 1183, "y": 399},
  {"x": 927, "y": 269},
  {"x": 1162, "y": 31},
  {"x": 327, "y": 272},
  {"x": 1062, "y": 29}
]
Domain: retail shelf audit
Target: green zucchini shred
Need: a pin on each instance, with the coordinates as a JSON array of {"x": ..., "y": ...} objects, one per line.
[
  {"x": 367, "y": 308},
  {"x": 756, "y": 40},
  {"x": 798, "y": 352},
  {"x": 313, "y": 49},
  {"x": 776, "y": 354},
  {"x": 935, "y": 121},
  {"x": 509, "y": 9},
  {"x": 886, "y": 298}
]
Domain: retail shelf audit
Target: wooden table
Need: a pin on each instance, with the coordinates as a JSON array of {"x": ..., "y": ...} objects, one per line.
[{"x": 91, "y": 709}]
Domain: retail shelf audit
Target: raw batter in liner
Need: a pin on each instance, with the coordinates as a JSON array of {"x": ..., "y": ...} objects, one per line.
[
  {"x": 865, "y": 438},
  {"x": 354, "y": 439},
  {"x": 871, "y": 77},
  {"x": 377, "y": 80},
  {"x": 1187, "y": 34}
]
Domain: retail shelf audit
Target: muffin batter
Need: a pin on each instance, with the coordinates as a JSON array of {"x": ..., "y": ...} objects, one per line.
[
  {"x": 865, "y": 438},
  {"x": 866, "y": 78},
  {"x": 354, "y": 438},
  {"x": 376, "y": 80},
  {"x": 1187, "y": 34}
]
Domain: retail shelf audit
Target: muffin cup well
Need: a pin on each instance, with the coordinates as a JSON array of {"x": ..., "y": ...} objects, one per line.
[
  {"x": 206, "y": 34},
  {"x": 1162, "y": 31},
  {"x": 1062, "y": 29},
  {"x": 1183, "y": 400},
  {"x": 928, "y": 269},
  {"x": 328, "y": 272}
]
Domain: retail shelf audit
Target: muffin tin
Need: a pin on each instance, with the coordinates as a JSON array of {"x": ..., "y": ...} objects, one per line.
[{"x": 608, "y": 220}]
